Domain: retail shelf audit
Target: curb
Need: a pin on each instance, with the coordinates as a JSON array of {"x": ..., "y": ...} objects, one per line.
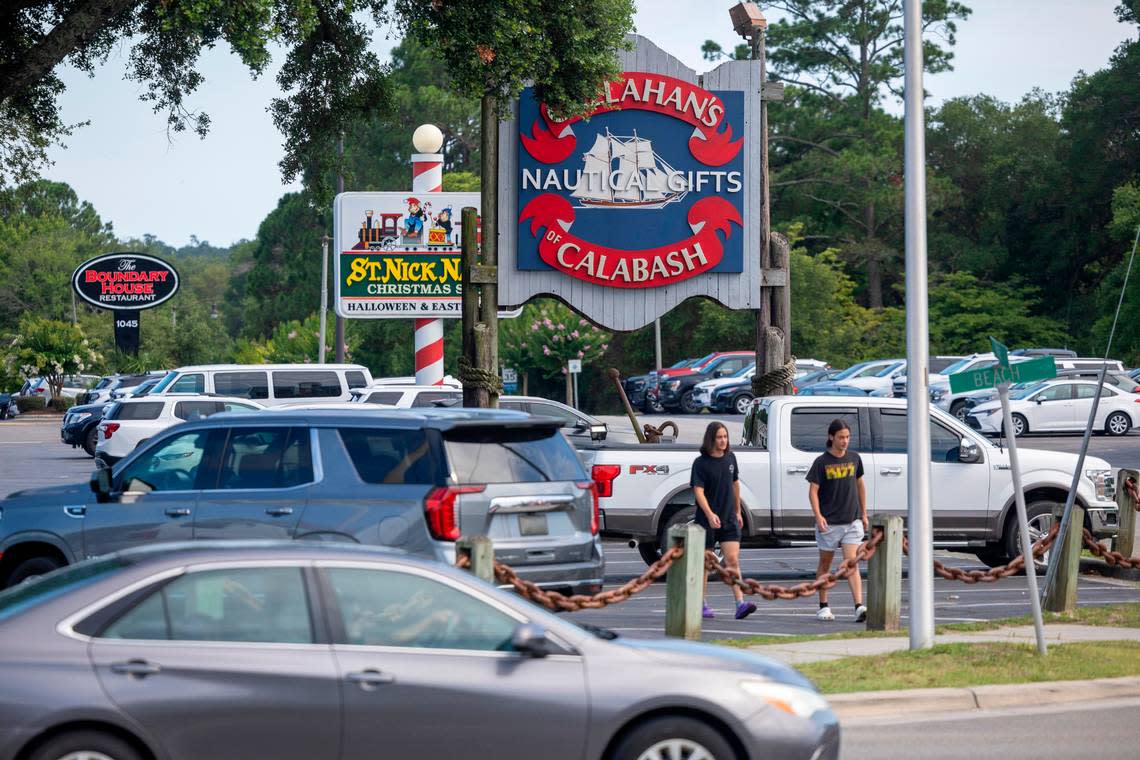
[
  {"x": 881, "y": 704},
  {"x": 1100, "y": 567}
]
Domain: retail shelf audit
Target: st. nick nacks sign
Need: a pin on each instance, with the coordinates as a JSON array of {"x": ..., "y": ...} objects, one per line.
[{"x": 650, "y": 198}]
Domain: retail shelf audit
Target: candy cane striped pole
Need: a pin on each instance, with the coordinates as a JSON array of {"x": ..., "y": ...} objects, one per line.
[{"x": 427, "y": 177}]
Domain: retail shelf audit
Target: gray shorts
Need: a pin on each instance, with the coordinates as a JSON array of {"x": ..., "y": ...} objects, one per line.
[{"x": 849, "y": 533}]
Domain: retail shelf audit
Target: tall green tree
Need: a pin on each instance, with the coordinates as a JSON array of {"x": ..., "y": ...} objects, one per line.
[{"x": 835, "y": 153}]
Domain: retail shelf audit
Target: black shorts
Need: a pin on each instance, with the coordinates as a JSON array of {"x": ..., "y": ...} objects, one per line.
[{"x": 729, "y": 530}]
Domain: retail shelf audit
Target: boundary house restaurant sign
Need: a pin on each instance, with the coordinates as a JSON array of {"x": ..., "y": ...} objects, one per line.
[
  {"x": 398, "y": 254},
  {"x": 645, "y": 201},
  {"x": 125, "y": 281}
]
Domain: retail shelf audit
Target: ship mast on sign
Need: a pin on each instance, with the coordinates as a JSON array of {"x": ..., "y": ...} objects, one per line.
[{"x": 641, "y": 179}]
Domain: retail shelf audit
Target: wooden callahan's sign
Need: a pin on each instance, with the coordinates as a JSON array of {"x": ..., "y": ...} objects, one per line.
[{"x": 644, "y": 201}]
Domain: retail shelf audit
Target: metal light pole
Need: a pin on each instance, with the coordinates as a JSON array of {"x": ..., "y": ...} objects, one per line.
[
  {"x": 324, "y": 296},
  {"x": 920, "y": 529},
  {"x": 656, "y": 340},
  {"x": 339, "y": 319}
]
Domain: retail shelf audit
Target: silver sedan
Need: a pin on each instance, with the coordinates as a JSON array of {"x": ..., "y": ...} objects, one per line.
[{"x": 311, "y": 651}]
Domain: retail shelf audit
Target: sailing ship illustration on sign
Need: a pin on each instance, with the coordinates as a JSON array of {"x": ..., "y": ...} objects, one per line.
[{"x": 640, "y": 179}]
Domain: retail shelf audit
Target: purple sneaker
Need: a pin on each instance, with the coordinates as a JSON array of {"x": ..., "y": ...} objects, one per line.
[
  {"x": 706, "y": 612},
  {"x": 744, "y": 609}
]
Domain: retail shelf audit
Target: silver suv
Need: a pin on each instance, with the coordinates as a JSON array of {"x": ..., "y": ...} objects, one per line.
[{"x": 412, "y": 479}]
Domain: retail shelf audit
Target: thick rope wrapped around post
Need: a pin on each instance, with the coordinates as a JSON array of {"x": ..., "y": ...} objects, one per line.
[
  {"x": 776, "y": 380},
  {"x": 479, "y": 378}
]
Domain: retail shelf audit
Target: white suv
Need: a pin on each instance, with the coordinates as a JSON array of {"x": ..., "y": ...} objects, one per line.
[{"x": 130, "y": 422}]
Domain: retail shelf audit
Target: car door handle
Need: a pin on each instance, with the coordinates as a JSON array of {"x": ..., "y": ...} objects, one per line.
[
  {"x": 370, "y": 679},
  {"x": 279, "y": 511},
  {"x": 135, "y": 668},
  {"x": 178, "y": 512},
  {"x": 890, "y": 471},
  {"x": 798, "y": 470}
]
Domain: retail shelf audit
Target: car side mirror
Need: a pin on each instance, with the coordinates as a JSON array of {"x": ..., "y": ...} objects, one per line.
[
  {"x": 101, "y": 484},
  {"x": 530, "y": 640},
  {"x": 1039, "y": 401},
  {"x": 718, "y": 373},
  {"x": 969, "y": 453}
]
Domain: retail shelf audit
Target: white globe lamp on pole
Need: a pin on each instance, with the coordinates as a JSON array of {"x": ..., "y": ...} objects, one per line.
[{"x": 427, "y": 138}]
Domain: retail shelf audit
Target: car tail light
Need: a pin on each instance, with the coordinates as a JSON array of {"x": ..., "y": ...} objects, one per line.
[
  {"x": 439, "y": 508},
  {"x": 39, "y": 390},
  {"x": 596, "y": 512},
  {"x": 603, "y": 475},
  {"x": 109, "y": 429}
]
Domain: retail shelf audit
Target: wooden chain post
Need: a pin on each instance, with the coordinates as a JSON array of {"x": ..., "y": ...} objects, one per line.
[
  {"x": 684, "y": 583},
  {"x": 884, "y": 576}
]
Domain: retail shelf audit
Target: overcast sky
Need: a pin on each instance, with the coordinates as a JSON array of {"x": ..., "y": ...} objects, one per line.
[{"x": 219, "y": 189}]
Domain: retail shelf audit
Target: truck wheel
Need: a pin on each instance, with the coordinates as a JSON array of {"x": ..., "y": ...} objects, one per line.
[
  {"x": 742, "y": 403},
  {"x": 689, "y": 404},
  {"x": 992, "y": 556},
  {"x": 91, "y": 440},
  {"x": 1118, "y": 423},
  {"x": 1039, "y": 514},
  {"x": 649, "y": 551},
  {"x": 958, "y": 409},
  {"x": 682, "y": 516}
]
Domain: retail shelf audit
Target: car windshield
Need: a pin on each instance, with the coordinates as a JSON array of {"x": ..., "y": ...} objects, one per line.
[
  {"x": 887, "y": 370},
  {"x": 850, "y": 371},
  {"x": 47, "y": 587},
  {"x": 744, "y": 370},
  {"x": 1022, "y": 390},
  {"x": 872, "y": 370},
  {"x": 957, "y": 366},
  {"x": 166, "y": 380}
]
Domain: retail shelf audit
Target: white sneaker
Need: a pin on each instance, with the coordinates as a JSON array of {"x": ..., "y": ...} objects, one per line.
[
  {"x": 861, "y": 613},
  {"x": 825, "y": 613}
]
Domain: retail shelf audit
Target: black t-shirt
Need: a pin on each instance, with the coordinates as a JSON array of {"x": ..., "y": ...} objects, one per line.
[
  {"x": 716, "y": 475},
  {"x": 838, "y": 494}
]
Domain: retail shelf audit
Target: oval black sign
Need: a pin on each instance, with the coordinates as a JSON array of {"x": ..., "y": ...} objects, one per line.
[{"x": 125, "y": 281}]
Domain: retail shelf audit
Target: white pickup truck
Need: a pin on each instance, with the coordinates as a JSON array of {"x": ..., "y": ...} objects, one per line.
[{"x": 644, "y": 489}]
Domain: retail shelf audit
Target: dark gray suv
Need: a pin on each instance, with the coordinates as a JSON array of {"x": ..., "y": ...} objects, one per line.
[{"x": 412, "y": 479}]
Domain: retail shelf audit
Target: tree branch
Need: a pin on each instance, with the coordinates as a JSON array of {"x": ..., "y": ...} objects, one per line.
[{"x": 78, "y": 27}]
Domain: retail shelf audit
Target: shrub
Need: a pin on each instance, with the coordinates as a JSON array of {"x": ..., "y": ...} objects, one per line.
[
  {"x": 29, "y": 404},
  {"x": 62, "y": 404}
]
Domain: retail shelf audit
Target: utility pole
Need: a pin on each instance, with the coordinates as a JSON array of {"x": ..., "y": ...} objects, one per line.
[
  {"x": 920, "y": 529},
  {"x": 324, "y": 270},
  {"x": 324, "y": 297},
  {"x": 773, "y": 318}
]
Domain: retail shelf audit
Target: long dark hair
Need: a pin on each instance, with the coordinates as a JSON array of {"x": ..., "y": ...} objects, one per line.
[
  {"x": 708, "y": 445},
  {"x": 835, "y": 426}
]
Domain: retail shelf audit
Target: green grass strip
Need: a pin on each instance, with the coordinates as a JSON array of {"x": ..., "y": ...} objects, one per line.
[{"x": 960, "y": 665}]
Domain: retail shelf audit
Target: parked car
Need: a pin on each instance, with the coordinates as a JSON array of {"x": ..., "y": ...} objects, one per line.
[
  {"x": 938, "y": 365},
  {"x": 129, "y": 423},
  {"x": 73, "y": 387},
  {"x": 1060, "y": 405},
  {"x": 675, "y": 392},
  {"x": 136, "y": 391},
  {"x": 1060, "y": 352},
  {"x": 575, "y": 424},
  {"x": 80, "y": 426},
  {"x": 868, "y": 369},
  {"x": 1135, "y": 374},
  {"x": 324, "y": 651},
  {"x": 704, "y": 391},
  {"x": 7, "y": 406},
  {"x": 831, "y": 389},
  {"x": 811, "y": 378},
  {"x": 690, "y": 365},
  {"x": 271, "y": 384},
  {"x": 102, "y": 390},
  {"x": 412, "y": 479},
  {"x": 736, "y": 398},
  {"x": 971, "y": 484},
  {"x": 1117, "y": 379}
]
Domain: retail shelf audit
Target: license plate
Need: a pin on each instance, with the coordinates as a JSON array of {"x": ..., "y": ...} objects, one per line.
[{"x": 532, "y": 525}]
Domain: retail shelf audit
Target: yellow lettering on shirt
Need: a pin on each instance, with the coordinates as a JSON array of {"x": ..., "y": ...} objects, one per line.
[{"x": 839, "y": 471}]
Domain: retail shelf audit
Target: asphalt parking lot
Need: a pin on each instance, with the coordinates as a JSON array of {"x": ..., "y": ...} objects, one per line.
[{"x": 33, "y": 457}]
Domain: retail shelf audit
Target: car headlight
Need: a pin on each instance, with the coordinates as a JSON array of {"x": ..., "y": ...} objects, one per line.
[
  {"x": 986, "y": 412},
  {"x": 673, "y": 385},
  {"x": 937, "y": 394},
  {"x": 1103, "y": 483},
  {"x": 791, "y": 699},
  {"x": 80, "y": 416}
]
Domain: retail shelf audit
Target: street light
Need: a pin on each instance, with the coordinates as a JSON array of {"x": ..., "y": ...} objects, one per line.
[{"x": 747, "y": 20}]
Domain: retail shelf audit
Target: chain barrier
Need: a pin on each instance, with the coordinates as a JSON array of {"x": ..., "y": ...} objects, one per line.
[
  {"x": 1109, "y": 556},
  {"x": 1133, "y": 492},
  {"x": 1016, "y": 565},
  {"x": 865, "y": 551},
  {"x": 559, "y": 602}
]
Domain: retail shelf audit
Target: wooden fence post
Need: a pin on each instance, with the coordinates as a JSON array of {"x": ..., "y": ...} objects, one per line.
[
  {"x": 1125, "y": 542},
  {"x": 684, "y": 582},
  {"x": 481, "y": 551},
  {"x": 884, "y": 576},
  {"x": 1062, "y": 596}
]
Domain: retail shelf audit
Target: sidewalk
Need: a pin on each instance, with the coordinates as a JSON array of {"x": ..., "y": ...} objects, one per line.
[
  {"x": 881, "y": 704},
  {"x": 796, "y": 653}
]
